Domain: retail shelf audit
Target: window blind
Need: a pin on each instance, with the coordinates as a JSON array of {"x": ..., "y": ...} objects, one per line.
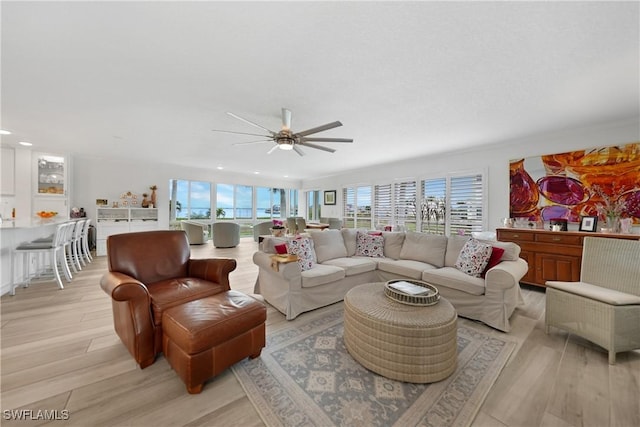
[
  {"x": 466, "y": 206},
  {"x": 434, "y": 206}
]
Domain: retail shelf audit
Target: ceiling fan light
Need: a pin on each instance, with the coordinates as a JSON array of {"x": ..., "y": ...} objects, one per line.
[{"x": 286, "y": 146}]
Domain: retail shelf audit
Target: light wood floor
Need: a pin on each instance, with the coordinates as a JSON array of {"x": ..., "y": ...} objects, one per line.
[{"x": 59, "y": 351}]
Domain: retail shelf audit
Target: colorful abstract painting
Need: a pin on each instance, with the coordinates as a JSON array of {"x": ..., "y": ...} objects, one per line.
[{"x": 571, "y": 185}]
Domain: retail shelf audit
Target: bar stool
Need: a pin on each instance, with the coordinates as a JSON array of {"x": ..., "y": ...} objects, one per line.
[
  {"x": 57, "y": 257},
  {"x": 84, "y": 241},
  {"x": 76, "y": 246},
  {"x": 68, "y": 246}
]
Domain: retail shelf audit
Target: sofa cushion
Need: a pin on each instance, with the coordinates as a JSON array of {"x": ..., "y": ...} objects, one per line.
[
  {"x": 429, "y": 248},
  {"x": 474, "y": 257},
  {"x": 370, "y": 245},
  {"x": 453, "y": 278},
  {"x": 321, "y": 274},
  {"x": 392, "y": 244},
  {"x": 349, "y": 237},
  {"x": 303, "y": 247},
  {"x": 404, "y": 267},
  {"x": 353, "y": 266},
  {"x": 328, "y": 244},
  {"x": 454, "y": 246}
]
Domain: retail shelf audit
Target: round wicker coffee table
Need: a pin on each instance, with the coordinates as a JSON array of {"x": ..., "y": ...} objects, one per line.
[{"x": 399, "y": 341}]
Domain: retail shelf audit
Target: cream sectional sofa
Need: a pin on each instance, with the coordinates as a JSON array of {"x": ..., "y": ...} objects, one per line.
[{"x": 410, "y": 255}]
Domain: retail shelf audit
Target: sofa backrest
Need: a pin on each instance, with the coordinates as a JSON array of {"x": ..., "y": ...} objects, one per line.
[
  {"x": 349, "y": 238},
  {"x": 429, "y": 248},
  {"x": 511, "y": 250},
  {"x": 393, "y": 241},
  {"x": 454, "y": 246},
  {"x": 328, "y": 244}
]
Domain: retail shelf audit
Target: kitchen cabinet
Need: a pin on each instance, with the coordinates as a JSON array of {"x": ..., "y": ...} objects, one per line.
[{"x": 51, "y": 178}]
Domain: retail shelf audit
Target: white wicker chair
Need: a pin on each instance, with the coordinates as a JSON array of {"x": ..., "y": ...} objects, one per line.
[{"x": 604, "y": 307}]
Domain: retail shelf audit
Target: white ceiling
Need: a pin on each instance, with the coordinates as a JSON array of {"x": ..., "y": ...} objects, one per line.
[{"x": 151, "y": 79}]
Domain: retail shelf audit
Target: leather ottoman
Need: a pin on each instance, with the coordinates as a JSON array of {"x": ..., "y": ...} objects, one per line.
[{"x": 204, "y": 337}]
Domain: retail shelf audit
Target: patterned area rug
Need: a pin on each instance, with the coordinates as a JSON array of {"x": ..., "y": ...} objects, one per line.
[{"x": 306, "y": 377}]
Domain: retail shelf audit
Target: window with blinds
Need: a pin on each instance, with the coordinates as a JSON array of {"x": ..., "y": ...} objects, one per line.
[
  {"x": 357, "y": 207},
  {"x": 404, "y": 204},
  {"x": 452, "y": 205},
  {"x": 434, "y": 206},
  {"x": 466, "y": 204},
  {"x": 382, "y": 206},
  {"x": 348, "y": 207}
]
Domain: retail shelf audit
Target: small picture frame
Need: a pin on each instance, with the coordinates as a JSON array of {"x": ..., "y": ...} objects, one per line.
[
  {"x": 588, "y": 223},
  {"x": 101, "y": 202},
  {"x": 330, "y": 197}
]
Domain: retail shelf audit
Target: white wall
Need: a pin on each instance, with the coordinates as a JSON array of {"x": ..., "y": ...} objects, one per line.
[
  {"x": 97, "y": 178},
  {"x": 494, "y": 159}
]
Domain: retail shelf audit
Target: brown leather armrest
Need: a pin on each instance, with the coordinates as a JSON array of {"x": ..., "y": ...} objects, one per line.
[
  {"x": 122, "y": 287},
  {"x": 212, "y": 269}
]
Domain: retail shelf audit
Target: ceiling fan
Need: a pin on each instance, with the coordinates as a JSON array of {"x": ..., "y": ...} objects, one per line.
[{"x": 286, "y": 139}]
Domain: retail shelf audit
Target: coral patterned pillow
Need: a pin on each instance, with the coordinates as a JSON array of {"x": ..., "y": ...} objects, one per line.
[
  {"x": 369, "y": 245},
  {"x": 474, "y": 257},
  {"x": 303, "y": 247}
]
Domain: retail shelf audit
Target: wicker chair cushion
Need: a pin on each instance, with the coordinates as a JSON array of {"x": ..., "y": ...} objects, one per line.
[{"x": 598, "y": 293}]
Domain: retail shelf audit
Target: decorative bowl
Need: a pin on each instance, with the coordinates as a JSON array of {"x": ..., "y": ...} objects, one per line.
[
  {"x": 46, "y": 214},
  {"x": 428, "y": 295}
]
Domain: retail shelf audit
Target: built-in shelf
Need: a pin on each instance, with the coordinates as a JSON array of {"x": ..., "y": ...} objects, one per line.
[{"x": 110, "y": 221}]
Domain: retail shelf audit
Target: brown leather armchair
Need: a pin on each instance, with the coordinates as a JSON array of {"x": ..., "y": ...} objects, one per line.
[{"x": 150, "y": 272}]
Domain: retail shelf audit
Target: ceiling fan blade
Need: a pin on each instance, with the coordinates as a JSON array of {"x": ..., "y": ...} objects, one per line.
[
  {"x": 240, "y": 133},
  {"x": 318, "y": 129},
  {"x": 319, "y": 147},
  {"x": 251, "y": 123},
  {"x": 286, "y": 119},
  {"x": 326, "y": 139},
  {"x": 253, "y": 142},
  {"x": 272, "y": 149},
  {"x": 298, "y": 150}
]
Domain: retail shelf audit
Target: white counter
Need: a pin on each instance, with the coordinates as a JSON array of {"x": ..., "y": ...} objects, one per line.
[
  {"x": 14, "y": 232},
  {"x": 26, "y": 223}
]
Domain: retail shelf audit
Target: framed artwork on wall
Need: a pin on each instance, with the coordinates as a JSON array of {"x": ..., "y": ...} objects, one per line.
[
  {"x": 577, "y": 184},
  {"x": 330, "y": 197},
  {"x": 588, "y": 223}
]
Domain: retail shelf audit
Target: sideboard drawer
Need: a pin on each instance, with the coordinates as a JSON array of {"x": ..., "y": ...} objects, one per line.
[
  {"x": 515, "y": 236},
  {"x": 559, "y": 238}
]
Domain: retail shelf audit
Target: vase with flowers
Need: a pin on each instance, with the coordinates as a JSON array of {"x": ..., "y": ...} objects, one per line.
[
  {"x": 611, "y": 208},
  {"x": 277, "y": 229}
]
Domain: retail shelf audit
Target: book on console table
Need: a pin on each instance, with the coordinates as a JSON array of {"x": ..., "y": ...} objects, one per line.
[{"x": 409, "y": 288}]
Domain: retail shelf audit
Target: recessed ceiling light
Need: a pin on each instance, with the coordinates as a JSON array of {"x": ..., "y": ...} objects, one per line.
[
  {"x": 256, "y": 173},
  {"x": 25, "y": 143},
  {"x": 286, "y": 176},
  {"x": 4, "y": 132},
  {"x": 219, "y": 168}
]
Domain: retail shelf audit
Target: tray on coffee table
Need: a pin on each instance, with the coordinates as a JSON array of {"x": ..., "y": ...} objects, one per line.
[{"x": 412, "y": 292}]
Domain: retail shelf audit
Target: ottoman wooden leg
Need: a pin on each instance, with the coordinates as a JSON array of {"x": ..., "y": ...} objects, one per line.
[{"x": 196, "y": 389}]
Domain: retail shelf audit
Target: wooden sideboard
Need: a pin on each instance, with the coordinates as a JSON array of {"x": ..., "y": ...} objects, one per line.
[{"x": 551, "y": 255}]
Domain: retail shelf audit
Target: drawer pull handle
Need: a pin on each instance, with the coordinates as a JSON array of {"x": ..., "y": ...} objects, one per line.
[
  {"x": 516, "y": 236},
  {"x": 556, "y": 239}
]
